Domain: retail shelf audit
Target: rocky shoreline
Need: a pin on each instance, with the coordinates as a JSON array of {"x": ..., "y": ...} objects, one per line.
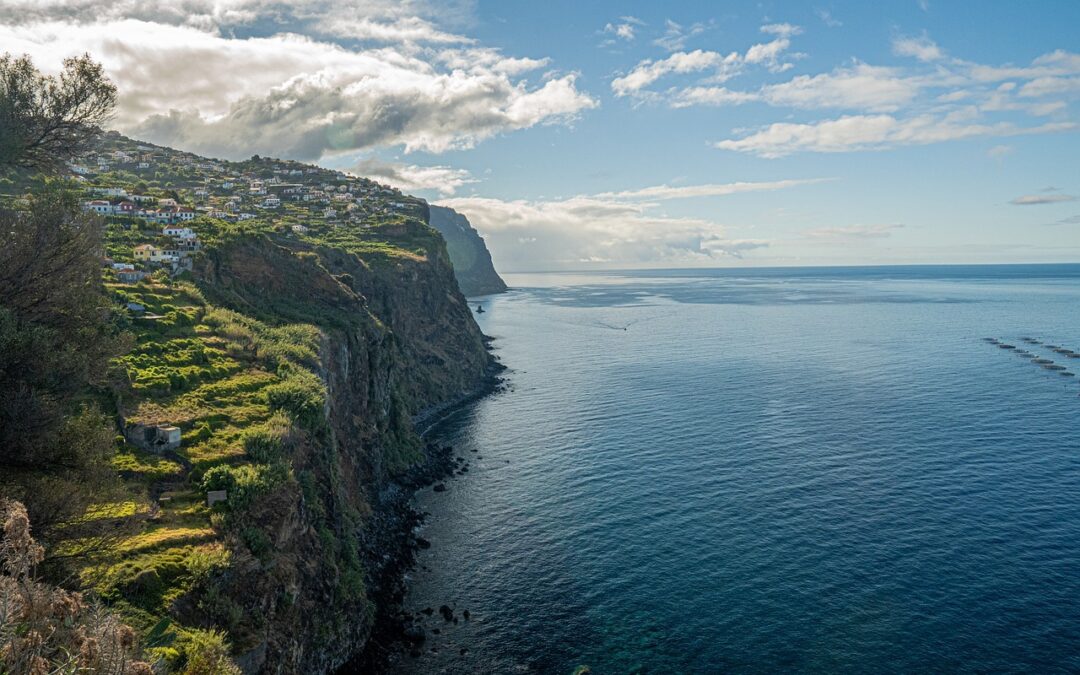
[{"x": 392, "y": 541}]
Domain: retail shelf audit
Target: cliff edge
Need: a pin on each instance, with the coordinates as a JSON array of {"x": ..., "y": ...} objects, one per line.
[{"x": 473, "y": 268}]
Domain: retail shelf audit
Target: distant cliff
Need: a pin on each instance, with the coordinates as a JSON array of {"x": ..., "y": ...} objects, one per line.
[{"x": 472, "y": 262}]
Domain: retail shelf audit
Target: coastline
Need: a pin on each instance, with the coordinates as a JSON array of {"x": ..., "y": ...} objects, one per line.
[{"x": 394, "y": 544}]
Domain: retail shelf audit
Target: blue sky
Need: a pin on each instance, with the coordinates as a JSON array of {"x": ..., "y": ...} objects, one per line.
[{"x": 622, "y": 134}]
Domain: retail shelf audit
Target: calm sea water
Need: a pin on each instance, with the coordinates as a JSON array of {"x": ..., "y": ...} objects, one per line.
[{"x": 821, "y": 470}]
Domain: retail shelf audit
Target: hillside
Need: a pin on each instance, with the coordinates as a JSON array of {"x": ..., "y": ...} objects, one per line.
[
  {"x": 289, "y": 325},
  {"x": 472, "y": 262}
]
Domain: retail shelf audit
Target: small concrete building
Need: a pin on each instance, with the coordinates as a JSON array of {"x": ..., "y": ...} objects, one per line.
[{"x": 159, "y": 438}]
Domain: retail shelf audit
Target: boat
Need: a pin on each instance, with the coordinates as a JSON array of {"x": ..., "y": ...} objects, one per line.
[{"x": 479, "y": 309}]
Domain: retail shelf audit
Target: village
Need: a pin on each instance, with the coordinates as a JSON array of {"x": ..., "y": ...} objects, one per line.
[{"x": 160, "y": 196}]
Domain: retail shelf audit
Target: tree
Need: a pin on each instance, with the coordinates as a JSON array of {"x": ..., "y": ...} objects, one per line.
[
  {"x": 56, "y": 339},
  {"x": 46, "y": 121}
]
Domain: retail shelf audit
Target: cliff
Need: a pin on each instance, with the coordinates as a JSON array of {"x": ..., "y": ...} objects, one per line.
[
  {"x": 396, "y": 340},
  {"x": 473, "y": 268}
]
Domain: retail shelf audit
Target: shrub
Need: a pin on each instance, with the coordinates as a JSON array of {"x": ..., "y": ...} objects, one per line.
[
  {"x": 302, "y": 395},
  {"x": 266, "y": 443},
  {"x": 207, "y": 653}
]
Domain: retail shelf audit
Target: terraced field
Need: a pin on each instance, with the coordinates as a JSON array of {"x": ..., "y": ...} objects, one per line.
[{"x": 234, "y": 387}]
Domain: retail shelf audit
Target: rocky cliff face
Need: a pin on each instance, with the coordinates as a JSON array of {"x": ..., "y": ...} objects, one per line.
[
  {"x": 398, "y": 342},
  {"x": 475, "y": 272}
]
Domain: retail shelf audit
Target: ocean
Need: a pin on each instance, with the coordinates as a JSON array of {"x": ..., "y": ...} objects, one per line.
[{"x": 785, "y": 470}]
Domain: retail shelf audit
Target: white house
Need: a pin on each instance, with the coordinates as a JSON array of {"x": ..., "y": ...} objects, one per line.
[
  {"x": 245, "y": 216},
  {"x": 299, "y": 229},
  {"x": 271, "y": 203},
  {"x": 329, "y": 213},
  {"x": 166, "y": 202},
  {"x": 179, "y": 232},
  {"x": 99, "y": 206}
]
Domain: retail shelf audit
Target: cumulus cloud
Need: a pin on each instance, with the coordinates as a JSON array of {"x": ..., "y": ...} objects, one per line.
[
  {"x": 445, "y": 180},
  {"x": 374, "y": 19},
  {"x": 588, "y": 231},
  {"x": 721, "y": 67},
  {"x": 872, "y": 132},
  {"x": 648, "y": 71},
  {"x": 622, "y": 228},
  {"x": 1045, "y": 198},
  {"x": 301, "y": 97}
]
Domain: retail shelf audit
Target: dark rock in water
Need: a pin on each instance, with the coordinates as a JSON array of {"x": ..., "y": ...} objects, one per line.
[
  {"x": 463, "y": 651},
  {"x": 414, "y": 634},
  {"x": 466, "y": 614},
  {"x": 423, "y": 543},
  {"x": 427, "y": 610},
  {"x": 447, "y": 613},
  {"x": 436, "y": 631},
  {"x": 439, "y": 487}
]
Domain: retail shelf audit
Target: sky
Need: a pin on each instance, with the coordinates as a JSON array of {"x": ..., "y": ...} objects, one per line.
[{"x": 598, "y": 135}]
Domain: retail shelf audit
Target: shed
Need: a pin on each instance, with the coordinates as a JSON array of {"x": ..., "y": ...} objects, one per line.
[{"x": 215, "y": 496}]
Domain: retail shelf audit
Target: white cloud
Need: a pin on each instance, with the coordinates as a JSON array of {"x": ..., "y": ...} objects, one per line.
[
  {"x": 445, "y": 180},
  {"x": 590, "y": 231},
  {"x": 999, "y": 151},
  {"x": 1045, "y": 198},
  {"x": 664, "y": 192},
  {"x": 295, "y": 96},
  {"x": 723, "y": 66},
  {"x": 623, "y": 228},
  {"x": 625, "y": 28},
  {"x": 862, "y": 86},
  {"x": 871, "y": 132},
  {"x": 676, "y": 36},
  {"x": 827, "y": 18},
  {"x": 781, "y": 29},
  {"x": 854, "y": 232},
  {"x": 1049, "y": 86},
  {"x": 922, "y": 48},
  {"x": 648, "y": 71}
]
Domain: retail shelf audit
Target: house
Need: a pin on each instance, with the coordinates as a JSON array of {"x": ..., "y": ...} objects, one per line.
[
  {"x": 245, "y": 216},
  {"x": 120, "y": 267},
  {"x": 299, "y": 229},
  {"x": 177, "y": 232},
  {"x": 135, "y": 307},
  {"x": 130, "y": 276},
  {"x": 215, "y": 496},
  {"x": 125, "y": 208},
  {"x": 329, "y": 213},
  {"x": 98, "y": 206},
  {"x": 201, "y": 192},
  {"x": 271, "y": 203},
  {"x": 166, "y": 202},
  {"x": 184, "y": 213},
  {"x": 143, "y": 165},
  {"x": 146, "y": 252}
]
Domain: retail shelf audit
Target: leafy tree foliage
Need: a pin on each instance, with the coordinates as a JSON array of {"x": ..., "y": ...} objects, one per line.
[{"x": 45, "y": 121}]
